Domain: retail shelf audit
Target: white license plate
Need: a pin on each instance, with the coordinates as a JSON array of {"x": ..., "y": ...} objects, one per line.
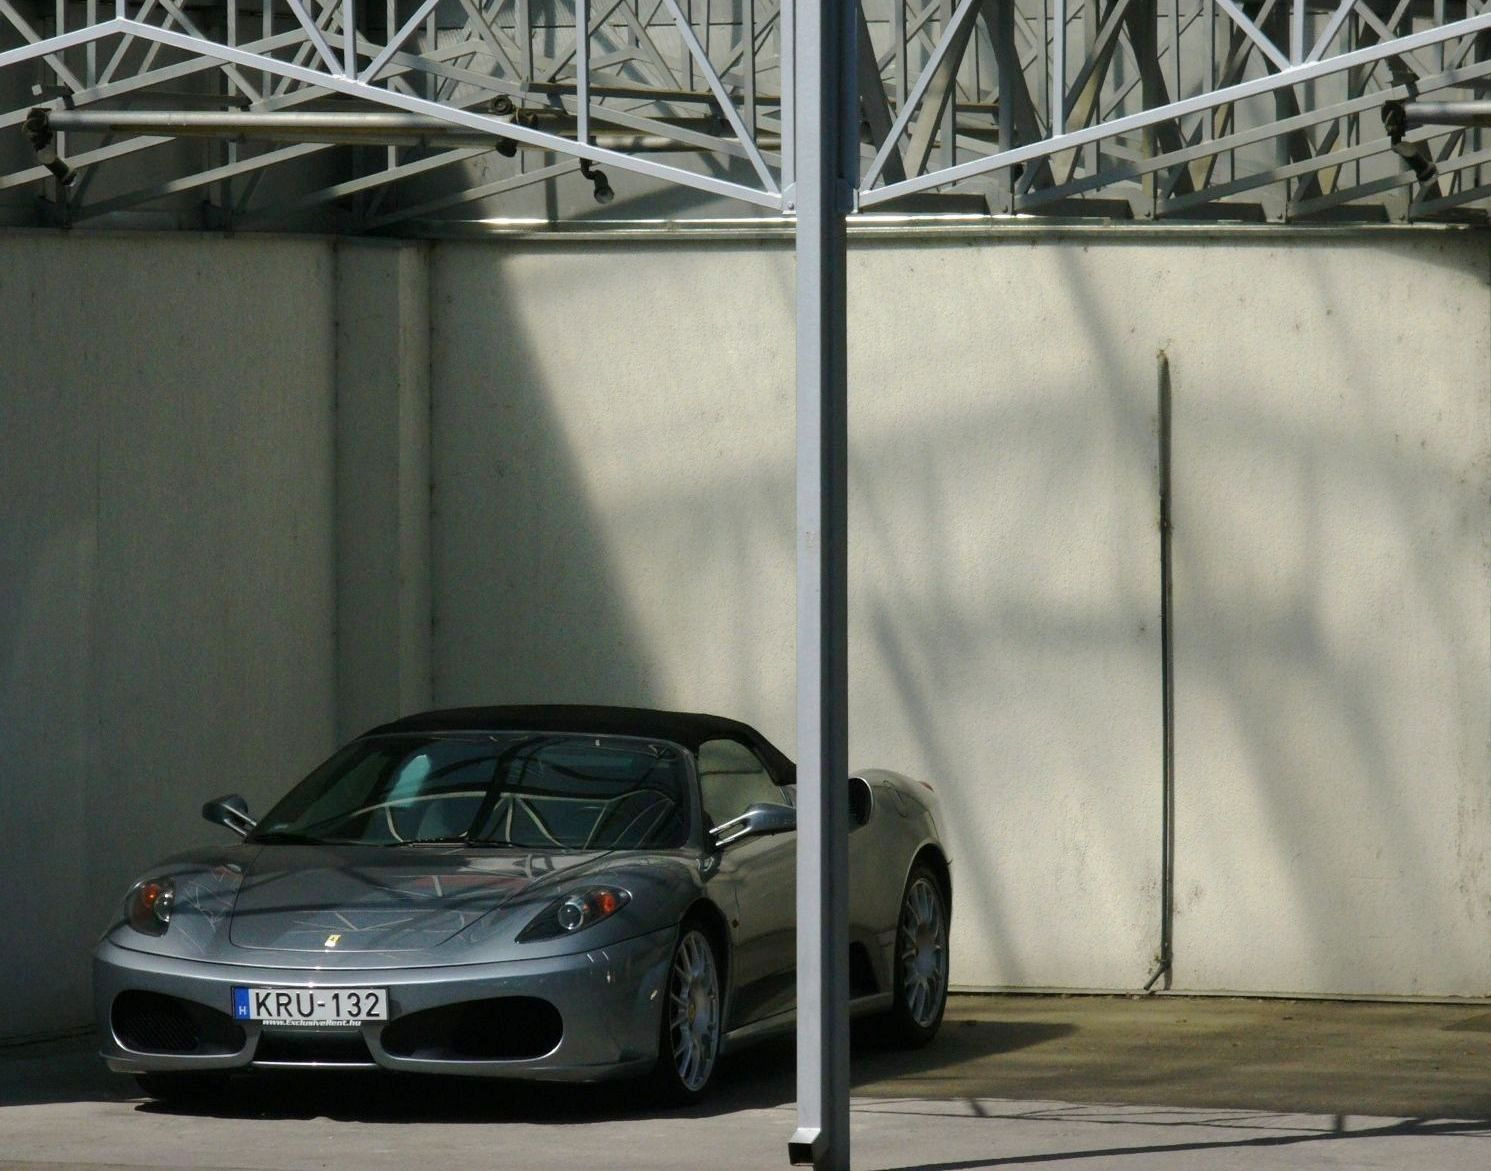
[{"x": 310, "y": 1006}]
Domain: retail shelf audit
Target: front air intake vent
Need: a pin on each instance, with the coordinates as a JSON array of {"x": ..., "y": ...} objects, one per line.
[
  {"x": 148, "y": 1022},
  {"x": 308, "y": 1047},
  {"x": 505, "y": 1028}
]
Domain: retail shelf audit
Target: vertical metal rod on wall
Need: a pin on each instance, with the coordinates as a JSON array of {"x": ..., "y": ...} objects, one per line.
[
  {"x": 1165, "y": 958},
  {"x": 826, "y": 143}
]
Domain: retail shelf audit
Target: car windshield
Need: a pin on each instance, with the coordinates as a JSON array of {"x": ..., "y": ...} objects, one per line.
[{"x": 530, "y": 790}]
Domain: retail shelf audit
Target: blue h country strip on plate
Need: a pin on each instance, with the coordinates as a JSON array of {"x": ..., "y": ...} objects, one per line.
[{"x": 241, "y": 1004}]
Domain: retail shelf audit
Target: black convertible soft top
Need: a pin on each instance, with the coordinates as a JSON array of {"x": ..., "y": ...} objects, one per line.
[{"x": 687, "y": 729}]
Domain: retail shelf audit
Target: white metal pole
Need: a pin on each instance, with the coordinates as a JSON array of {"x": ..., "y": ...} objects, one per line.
[{"x": 826, "y": 144}]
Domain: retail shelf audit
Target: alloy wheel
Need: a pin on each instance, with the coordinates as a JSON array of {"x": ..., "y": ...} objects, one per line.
[
  {"x": 694, "y": 1011},
  {"x": 922, "y": 951}
]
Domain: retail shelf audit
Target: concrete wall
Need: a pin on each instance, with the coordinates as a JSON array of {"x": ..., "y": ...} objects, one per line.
[
  {"x": 613, "y": 455},
  {"x": 165, "y": 567},
  {"x": 1333, "y": 620},
  {"x": 382, "y": 517},
  {"x": 612, "y": 463},
  {"x": 257, "y": 495}
]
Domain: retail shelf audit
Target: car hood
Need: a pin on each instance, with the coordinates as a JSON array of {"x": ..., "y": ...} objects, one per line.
[{"x": 334, "y": 900}]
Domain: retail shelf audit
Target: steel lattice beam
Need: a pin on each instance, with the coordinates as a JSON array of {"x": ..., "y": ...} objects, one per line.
[{"x": 1153, "y": 108}]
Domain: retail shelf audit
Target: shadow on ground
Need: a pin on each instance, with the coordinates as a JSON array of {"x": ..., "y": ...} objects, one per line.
[
  {"x": 1196, "y": 1150},
  {"x": 59, "y": 1070},
  {"x": 759, "y": 1077},
  {"x": 1398, "y": 1061}
]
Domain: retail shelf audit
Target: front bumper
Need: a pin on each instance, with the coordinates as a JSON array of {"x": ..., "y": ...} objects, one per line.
[{"x": 608, "y": 1001}]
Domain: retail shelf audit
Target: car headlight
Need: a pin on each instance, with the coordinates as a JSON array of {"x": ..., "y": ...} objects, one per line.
[
  {"x": 575, "y": 912},
  {"x": 148, "y": 906}
]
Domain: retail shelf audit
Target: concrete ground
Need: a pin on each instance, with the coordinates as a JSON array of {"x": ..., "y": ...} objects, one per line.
[{"x": 1085, "y": 1082}]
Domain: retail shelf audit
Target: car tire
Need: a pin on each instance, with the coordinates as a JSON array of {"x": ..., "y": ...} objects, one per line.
[
  {"x": 921, "y": 961},
  {"x": 183, "y": 1089},
  {"x": 692, "y": 1023}
]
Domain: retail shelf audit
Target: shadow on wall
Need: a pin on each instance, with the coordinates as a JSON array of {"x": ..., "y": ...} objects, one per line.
[
  {"x": 613, "y": 468},
  {"x": 614, "y": 487},
  {"x": 166, "y": 569},
  {"x": 1331, "y": 594},
  {"x": 586, "y": 416},
  {"x": 526, "y": 605},
  {"x": 1006, "y": 588},
  {"x": 1331, "y": 577},
  {"x": 613, "y": 497}
]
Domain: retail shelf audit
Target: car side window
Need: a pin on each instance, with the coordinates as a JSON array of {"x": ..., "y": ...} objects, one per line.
[{"x": 731, "y": 779}]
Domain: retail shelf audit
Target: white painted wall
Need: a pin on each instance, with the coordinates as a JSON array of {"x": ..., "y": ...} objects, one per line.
[{"x": 214, "y": 455}]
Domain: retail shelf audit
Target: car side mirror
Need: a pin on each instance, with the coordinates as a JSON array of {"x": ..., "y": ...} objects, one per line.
[
  {"x": 230, "y": 811},
  {"x": 757, "y": 821}
]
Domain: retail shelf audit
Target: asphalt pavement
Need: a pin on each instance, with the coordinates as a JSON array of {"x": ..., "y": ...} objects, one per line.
[{"x": 1048, "y": 1081}]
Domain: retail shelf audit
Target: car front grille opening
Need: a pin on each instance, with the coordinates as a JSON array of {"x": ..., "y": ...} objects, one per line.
[
  {"x": 150, "y": 1022},
  {"x": 504, "y": 1028},
  {"x": 308, "y": 1047}
]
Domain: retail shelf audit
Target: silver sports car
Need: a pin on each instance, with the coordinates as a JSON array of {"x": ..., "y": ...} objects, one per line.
[{"x": 534, "y": 892}]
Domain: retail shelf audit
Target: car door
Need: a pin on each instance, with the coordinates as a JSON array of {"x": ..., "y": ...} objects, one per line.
[{"x": 759, "y": 876}]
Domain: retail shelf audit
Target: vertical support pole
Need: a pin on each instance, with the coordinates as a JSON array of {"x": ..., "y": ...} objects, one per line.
[
  {"x": 947, "y": 132},
  {"x": 230, "y": 148},
  {"x": 1058, "y": 71},
  {"x": 1042, "y": 62},
  {"x": 525, "y": 29},
  {"x": 1009, "y": 74},
  {"x": 1090, "y": 25},
  {"x": 1211, "y": 55},
  {"x": 1175, "y": 79},
  {"x": 787, "y": 83},
  {"x": 827, "y": 172},
  {"x": 582, "y": 70},
  {"x": 390, "y": 26},
  {"x": 266, "y": 30},
  {"x": 349, "y": 39},
  {"x": 749, "y": 20},
  {"x": 898, "y": 34},
  {"x": 90, "y": 55},
  {"x": 61, "y": 138}
]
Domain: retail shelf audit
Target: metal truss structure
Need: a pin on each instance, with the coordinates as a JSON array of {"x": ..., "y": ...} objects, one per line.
[{"x": 380, "y": 115}]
